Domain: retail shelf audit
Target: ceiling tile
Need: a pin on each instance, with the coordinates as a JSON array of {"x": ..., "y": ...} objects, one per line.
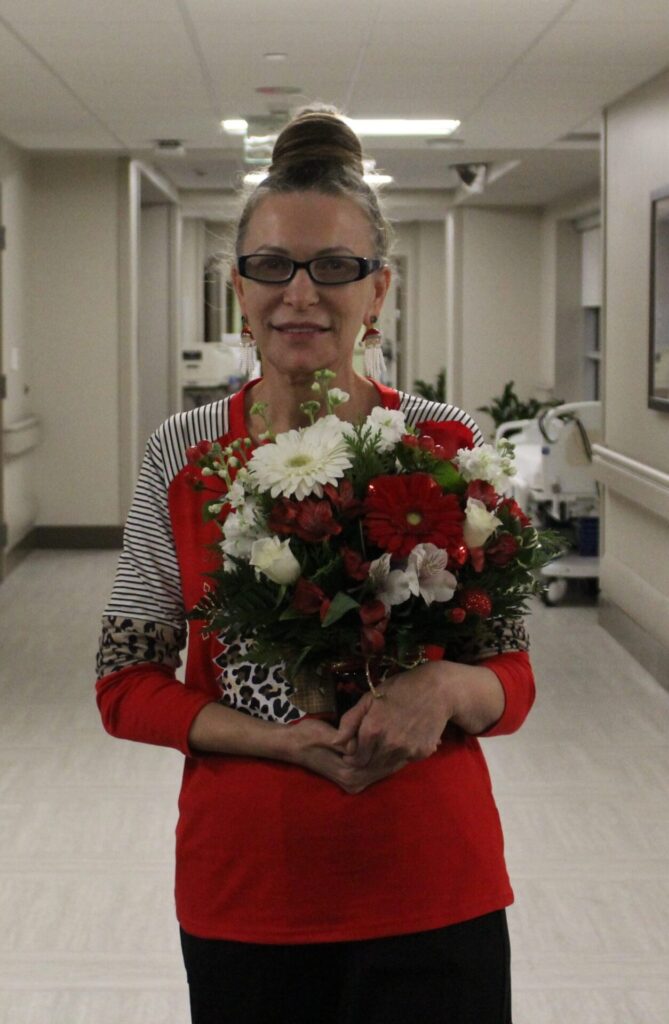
[
  {"x": 20, "y": 12},
  {"x": 412, "y": 43},
  {"x": 617, "y": 10},
  {"x": 605, "y": 42}
]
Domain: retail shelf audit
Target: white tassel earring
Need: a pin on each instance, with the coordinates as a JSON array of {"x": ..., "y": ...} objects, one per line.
[
  {"x": 372, "y": 340},
  {"x": 249, "y": 353}
]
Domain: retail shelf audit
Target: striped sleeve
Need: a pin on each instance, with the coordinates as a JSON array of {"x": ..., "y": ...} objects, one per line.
[
  {"x": 417, "y": 409},
  {"x": 145, "y": 620}
]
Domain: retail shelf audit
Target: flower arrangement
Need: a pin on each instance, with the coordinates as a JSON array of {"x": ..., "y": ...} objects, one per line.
[{"x": 374, "y": 541}]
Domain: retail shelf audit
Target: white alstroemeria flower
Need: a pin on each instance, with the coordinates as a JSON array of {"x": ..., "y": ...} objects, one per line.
[
  {"x": 487, "y": 463},
  {"x": 427, "y": 566},
  {"x": 390, "y": 423},
  {"x": 479, "y": 523},
  {"x": 392, "y": 586},
  {"x": 273, "y": 557},
  {"x": 299, "y": 462}
]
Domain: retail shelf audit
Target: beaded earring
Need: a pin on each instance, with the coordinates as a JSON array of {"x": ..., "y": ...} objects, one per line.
[
  {"x": 372, "y": 341},
  {"x": 249, "y": 353}
]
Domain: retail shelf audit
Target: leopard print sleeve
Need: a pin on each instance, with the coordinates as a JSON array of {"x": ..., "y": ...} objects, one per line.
[{"x": 128, "y": 641}]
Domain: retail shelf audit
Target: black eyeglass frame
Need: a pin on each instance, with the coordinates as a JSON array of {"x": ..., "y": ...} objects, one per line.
[{"x": 365, "y": 268}]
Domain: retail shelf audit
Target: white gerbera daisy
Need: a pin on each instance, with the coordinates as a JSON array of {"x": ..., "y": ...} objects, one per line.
[{"x": 299, "y": 462}]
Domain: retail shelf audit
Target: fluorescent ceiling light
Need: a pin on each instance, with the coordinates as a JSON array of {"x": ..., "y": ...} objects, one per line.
[
  {"x": 400, "y": 126},
  {"x": 255, "y": 177},
  {"x": 374, "y": 177},
  {"x": 234, "y": 126}
]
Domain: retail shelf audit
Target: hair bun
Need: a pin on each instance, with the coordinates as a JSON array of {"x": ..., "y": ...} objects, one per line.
[{"x": 316, "y": 137}]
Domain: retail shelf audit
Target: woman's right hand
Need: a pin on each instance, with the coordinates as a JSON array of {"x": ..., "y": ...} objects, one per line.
[{"x": 322, "y": 749}]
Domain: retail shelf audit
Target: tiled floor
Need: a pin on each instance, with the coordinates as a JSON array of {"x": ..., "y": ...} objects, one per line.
[{"x": 88, "y": 935}]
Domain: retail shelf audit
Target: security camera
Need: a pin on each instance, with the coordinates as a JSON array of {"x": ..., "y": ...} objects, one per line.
[{"x": 472, "y": 176}]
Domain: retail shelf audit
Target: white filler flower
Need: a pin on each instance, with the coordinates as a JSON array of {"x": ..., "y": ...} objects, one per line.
[
  {"x": 479, "y": 523},
  {"x": 299, "y": 462},
  {"x": 240, "y": 530},
  {"x": 486, "y": 463},
  {"x": 390, "y": 423},
  {"x": 273, "y": 557},
  {"x": 426, "y": 566}
]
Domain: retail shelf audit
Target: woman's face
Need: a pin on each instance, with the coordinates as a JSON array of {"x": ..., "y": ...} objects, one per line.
[{"x": 302, "y": 326}]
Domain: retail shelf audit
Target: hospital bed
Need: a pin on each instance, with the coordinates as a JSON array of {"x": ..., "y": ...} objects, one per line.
[{"x": 555, "y": 485}]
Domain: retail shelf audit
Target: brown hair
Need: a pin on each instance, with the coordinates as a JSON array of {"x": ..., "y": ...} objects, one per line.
[{"x": 317, "y": 151}]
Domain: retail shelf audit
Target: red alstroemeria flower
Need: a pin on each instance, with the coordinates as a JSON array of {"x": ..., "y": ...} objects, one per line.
[
  {"x": 343, "y": 499},
  {"x": 374, "y": 618},
  {"x": 355, "y": 567},
  {"x": 282, "y": 517},
  {"x": 403, "y": 511},
  {"x": 308, "y": 598},
  {"x": 311, "y": 519},
  {"x": 450, "y": 435}
]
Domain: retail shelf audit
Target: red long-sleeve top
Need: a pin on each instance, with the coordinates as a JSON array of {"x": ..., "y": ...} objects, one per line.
[{"x": 267, "y": 851}]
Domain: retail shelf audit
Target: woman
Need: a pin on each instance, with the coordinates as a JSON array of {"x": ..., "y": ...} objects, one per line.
[{"x": 344, "y": 874}]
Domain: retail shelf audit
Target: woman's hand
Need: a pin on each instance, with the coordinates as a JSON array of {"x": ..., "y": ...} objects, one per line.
[
  {"x": 405, "y": 725},
  {"x": 381, "y": 736}
]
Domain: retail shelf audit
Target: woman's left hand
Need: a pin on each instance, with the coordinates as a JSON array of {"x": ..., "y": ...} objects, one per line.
[
  {"x": 406, "y": 724},
  {"x": 380, "y": 736}
]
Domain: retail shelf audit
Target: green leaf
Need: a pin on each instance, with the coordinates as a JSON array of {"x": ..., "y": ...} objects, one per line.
[
  {"x": 341, "y": 603},
  {"x": 448, "y": 476}
]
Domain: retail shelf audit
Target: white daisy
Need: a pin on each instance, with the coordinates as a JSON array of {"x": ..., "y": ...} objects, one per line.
[{"x": 299, "y": 462}]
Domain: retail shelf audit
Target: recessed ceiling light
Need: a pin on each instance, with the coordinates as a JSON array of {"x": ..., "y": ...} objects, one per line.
[
  {"x": 234, "y": 126},
  {"x": 274, "y": 56},
  {"x": 401, "y": 126},
  {"x": 279, "y": 90}
]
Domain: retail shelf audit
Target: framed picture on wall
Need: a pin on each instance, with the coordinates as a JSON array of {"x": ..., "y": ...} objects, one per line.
[{"x": 658, "y": 351}]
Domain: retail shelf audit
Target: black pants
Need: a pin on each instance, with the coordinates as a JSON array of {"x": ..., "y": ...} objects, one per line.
[{"x": 454, "y": 975}]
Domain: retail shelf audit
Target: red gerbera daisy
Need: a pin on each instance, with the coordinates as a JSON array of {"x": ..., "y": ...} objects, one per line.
[{"x": 403, "y": 511}]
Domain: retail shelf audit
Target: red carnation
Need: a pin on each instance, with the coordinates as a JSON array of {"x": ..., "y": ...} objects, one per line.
[
  {"x": 403, "y": 511},
  {"x": 482, "y": 491},
  {"x": 502, "y": 550},
  {"x": 450, "y": 434}
]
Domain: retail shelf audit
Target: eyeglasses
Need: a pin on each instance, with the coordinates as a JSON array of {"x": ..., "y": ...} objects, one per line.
[{"x": 271, "y": 269}]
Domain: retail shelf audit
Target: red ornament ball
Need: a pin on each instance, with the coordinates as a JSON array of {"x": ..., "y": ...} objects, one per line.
[{"x": 476, "y": 602}]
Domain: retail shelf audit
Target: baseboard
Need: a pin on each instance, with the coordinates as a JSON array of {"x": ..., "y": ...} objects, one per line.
[
  {"x": 76, "y": 537},
  {"x": 647, "y": 650}
]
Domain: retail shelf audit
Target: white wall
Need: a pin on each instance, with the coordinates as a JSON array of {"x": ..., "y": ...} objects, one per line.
[
  {"x": 154, "y": 327},
  {"x": 20, "y": 479},
  {"x": 423, "y": 245},
  {"x": 560, "y": 355},
  {"x": 493, "y": 305},
  {"x": 635, "y": 571},
  {"x": 73, "y": 323}
]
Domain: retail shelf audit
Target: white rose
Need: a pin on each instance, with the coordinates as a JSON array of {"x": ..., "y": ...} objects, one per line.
[
  {"x": 274, "y": 558},
  {"x": 389, "y": 424},
  {"x": 479, "y": 523}
]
